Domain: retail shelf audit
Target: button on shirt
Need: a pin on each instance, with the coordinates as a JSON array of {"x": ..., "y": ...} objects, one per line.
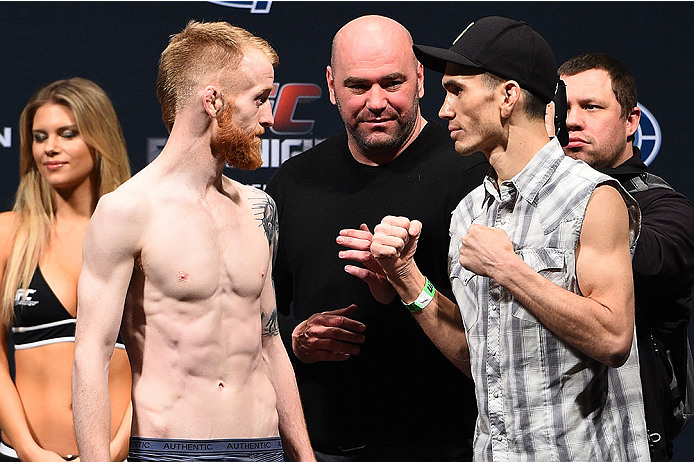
[{"x": 539, "y": 398}]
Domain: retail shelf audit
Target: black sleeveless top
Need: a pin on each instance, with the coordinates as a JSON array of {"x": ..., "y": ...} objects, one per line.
[{"x": 40, "y": 318}]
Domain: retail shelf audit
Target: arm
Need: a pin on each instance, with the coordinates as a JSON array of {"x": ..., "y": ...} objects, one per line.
[
  {"x": 664, "y": 258},
  {"x": 108, "y": 259},
  {"x": 12, "y": 418},
  {"x": 604, "y": 311},
  {"x": 326, "y": 336},
  {"x": 120, "y": 445},
  {"x": 394, "y": 245},
  {"x": 292, "y": 424}
]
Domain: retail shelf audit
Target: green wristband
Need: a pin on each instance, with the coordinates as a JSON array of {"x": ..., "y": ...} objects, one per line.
[{"x": 424, "y": 298}]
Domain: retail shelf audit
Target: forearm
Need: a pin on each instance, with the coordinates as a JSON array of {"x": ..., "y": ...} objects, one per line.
[
  {"x": 440, "y": 320},
  {"x": 287, "y": 324},
  {"x": 13, "y": 420},
  {"x": 664, "y": 256},
  {"x": 292, "y": 424},
  {"x": 120, "y": 443},
  {"x": 91, "y": 408},
  {"x": 600, "y": 331}
]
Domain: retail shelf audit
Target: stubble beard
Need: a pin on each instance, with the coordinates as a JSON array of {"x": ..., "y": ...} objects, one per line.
[
  {"x": 368, "y": 143},
  {"x": 597, "y": 160}
]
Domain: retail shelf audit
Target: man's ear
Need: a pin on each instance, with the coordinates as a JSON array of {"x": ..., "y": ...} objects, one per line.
[
  {"x": 331, "y": 84},
  {"x": 212, "y": 101},
  {"x": 632, "y": 122},
  {"x": 511, "y": 94},
  {"x": 420, "y": 80}
]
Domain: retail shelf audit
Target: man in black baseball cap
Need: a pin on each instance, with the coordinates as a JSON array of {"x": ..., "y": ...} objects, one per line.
[
  {"x": 545, "y": 330},
  {"x": 507, "y": 48}
]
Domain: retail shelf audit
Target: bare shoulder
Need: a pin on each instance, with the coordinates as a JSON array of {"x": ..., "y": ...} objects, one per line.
[
  {"x": 606, "y": 218},
  {"x": 120, "y": 221},
  {"x": 606, "y": 201},
  {"x": 250, "y": 193},
  {"x": 261, "y": 206},
  {"x": 127, "y": 203},
  {"x": 264, "y": 211},
  {"x": 7, "y": 223},
  {"x": 7, "y": 228},
  {"x": 607, "y": 193},
  {"x": 260, "y": 202}
]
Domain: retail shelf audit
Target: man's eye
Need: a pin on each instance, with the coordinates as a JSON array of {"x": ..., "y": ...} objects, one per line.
[{"x": 394, "y": 84}]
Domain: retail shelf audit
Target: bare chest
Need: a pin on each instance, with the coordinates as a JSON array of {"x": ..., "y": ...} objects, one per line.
[{"x": 192, "y": 254}]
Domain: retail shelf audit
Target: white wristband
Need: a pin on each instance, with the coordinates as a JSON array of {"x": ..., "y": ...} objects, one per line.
[{"x": 425, "y": 297}]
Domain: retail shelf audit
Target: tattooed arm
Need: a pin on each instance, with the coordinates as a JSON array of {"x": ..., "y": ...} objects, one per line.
[{"x": 292, "y": 424}]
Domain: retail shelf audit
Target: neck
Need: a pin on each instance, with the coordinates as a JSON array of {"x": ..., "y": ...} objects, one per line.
[
  {"x": 79, "y": 201},
  {"x": 188, "y": 156},
  {"x": 521, "y": 145},
  {"x": 626, "y": 155}
]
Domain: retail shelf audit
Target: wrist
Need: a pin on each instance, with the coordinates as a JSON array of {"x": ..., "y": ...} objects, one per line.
[
  {"x": 425, "y": 297},
  {"x": 29, "y": 452},
  {"x": 408, "y": 284}
]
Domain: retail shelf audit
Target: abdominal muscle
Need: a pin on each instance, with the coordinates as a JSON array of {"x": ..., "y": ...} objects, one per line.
[
  {"x": 43, "y": 380},
  {"x": 203, "y": 375}
]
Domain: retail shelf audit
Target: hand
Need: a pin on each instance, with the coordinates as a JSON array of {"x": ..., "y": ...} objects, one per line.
[
  {"x": 328, "y": 336},
  {"x": 394, "y": 244},
  {"x": 485, "y": 251},
  {"x": 43, "y": 455},
  {"x": 359, "y": 241}
]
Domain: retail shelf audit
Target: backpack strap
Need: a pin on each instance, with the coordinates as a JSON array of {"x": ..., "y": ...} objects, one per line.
[{"x": 645, "y": 181}]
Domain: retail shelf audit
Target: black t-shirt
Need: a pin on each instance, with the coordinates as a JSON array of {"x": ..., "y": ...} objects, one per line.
[{"x": 400, "y": 387}]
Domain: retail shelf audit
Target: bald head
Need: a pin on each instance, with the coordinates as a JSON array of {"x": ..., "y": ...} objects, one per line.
[
  {"x": 375, "y": 81},
  {"x": 366, "y": 35}
]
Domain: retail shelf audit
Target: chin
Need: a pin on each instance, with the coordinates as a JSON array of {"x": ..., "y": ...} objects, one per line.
[{"x": 465, "y": 150}]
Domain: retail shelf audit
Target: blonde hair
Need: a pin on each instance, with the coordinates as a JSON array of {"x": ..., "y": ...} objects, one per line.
[
  {"x": 200, "y": 51},
  {"x": 98, "y": 126}
]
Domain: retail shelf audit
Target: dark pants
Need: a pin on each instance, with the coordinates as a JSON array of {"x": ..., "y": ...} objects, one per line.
[{"x": 430, "y": 450}]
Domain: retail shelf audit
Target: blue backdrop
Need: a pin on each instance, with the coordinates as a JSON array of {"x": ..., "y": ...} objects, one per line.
[{"x": 117, "y": 44}]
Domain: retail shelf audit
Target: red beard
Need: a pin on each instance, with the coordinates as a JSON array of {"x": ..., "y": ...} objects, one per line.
[{"x": 238, "y": 148}]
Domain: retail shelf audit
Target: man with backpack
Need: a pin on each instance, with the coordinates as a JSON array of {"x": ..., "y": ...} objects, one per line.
[{"x": 602, "y": 118}]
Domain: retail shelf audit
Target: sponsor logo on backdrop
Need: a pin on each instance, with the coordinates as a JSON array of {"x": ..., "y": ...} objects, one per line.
[
  {"x": 256, "y": 7},
  {"x": 284, "y": 139},
  {"x": 648, "y": 136},
  {"x": 6, "y": 137}
]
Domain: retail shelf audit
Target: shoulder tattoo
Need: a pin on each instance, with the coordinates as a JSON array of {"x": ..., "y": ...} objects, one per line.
[
  {"x": 265, "y": 211},
  {"x": 270, "y": 324}
]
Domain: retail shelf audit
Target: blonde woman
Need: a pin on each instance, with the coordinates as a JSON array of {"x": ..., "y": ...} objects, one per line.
[{"x": 72, "y": 152}]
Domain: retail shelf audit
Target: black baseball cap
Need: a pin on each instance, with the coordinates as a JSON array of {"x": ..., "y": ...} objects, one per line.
[{"x": 506, "y": 48}]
